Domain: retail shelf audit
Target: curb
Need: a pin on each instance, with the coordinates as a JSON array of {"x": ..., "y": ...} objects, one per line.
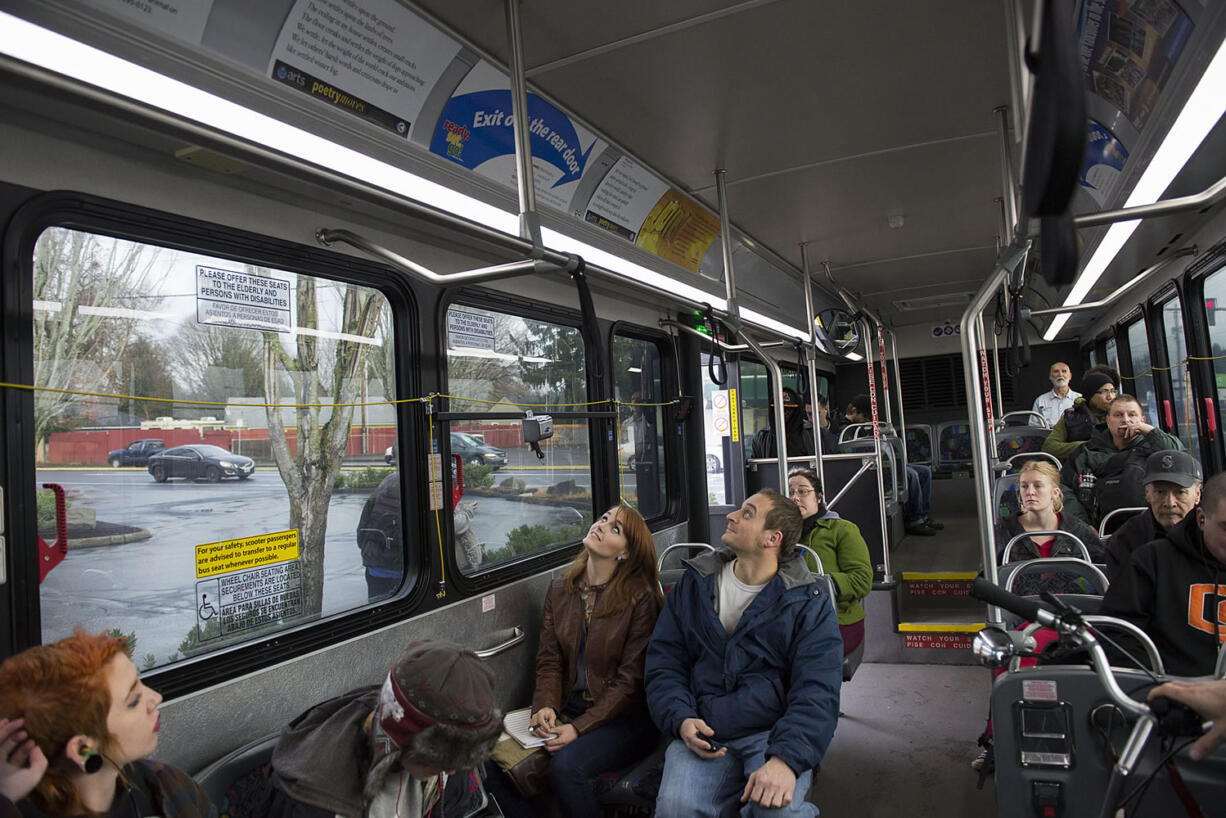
[{"x": 112, "y": 539}]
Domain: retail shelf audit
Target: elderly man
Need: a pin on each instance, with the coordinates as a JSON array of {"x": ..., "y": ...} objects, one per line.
[
  {"x": 1051, "y": 405},
  {"x": 1099, "y": 386},
  {"x": 743, "y": 672},
  {"x": 1108, "y": 471},
  {"x": 1172, "y": 489},
  {"x": 1171, "y": 587}
]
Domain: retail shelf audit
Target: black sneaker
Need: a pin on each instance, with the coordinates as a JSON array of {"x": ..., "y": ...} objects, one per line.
[
  {"x": 931, "y": 523},
  {"x": 921, "y": 529}
]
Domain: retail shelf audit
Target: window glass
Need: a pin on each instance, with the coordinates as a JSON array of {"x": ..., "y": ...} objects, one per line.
[
  {"x": 718, "y": 429},
  {"x": 755, "y": 400},
  {"x": 1181, "y": 387},
  {"x": 200, "y": 514},
  {"x": 1094, "y": 356},
  {"x": 639, "y": 389},
  {"x": 1215, "y": 293},
  {"x": 1113, "y": 358},
  {"x": 1142, "y": 383},
  {"x": 514, "y": 504}
]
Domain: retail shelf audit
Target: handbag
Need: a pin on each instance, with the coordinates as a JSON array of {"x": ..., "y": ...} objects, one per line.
[{"x": 528, "y": 769}]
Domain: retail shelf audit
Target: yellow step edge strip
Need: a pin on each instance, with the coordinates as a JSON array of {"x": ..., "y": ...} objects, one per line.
[
  {"x": 941, "y": 627},
  {"x": 939, "y": 575}
]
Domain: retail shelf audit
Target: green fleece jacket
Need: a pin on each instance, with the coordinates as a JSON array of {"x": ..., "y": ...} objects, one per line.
[
  {"x": 844, "y": 555},
  {"x": 1057, "y": 441}
]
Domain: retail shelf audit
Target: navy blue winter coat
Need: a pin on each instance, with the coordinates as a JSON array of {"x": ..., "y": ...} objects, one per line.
[{"x": 780, "y": 671}]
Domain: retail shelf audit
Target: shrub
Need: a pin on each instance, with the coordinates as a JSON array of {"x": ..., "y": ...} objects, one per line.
[
  {"x": 478, "y": 475},
  {"x": 45, "y": 504}
]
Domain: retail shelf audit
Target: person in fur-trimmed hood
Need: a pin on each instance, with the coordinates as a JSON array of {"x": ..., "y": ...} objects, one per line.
[{"x": 393, "y": 749}]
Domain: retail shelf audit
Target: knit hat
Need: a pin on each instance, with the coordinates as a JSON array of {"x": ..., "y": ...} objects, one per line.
[
  {"x": 436, "y": 708},
  {"x": 1172, "y": 466},
  {"x": 1094, "y": 381}
]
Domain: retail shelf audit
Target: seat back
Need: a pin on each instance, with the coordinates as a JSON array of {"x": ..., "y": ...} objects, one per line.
[
  {"x": 1114, "y": 519},
  {"x": 672, "y": 556},
  {"x": 954, "y": 446},
  {"x": 236, "y": 771},
  {"x": 1019, "y": 440},
  {"x": 851, "y": 660},
  {"x": 919, "y": 442},
  {"x": 1058, "y": 575},
  {"x": 1005, "y": 498},
  {"x": 1007, "y": 556}
]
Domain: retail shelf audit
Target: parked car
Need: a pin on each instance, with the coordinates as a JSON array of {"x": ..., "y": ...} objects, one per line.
[
  {"x": 136, "y": 453},
  {"x": 196, "y": 461},
  {"x": 473, "y": 449},
  {"x": 389, "y": 456}
]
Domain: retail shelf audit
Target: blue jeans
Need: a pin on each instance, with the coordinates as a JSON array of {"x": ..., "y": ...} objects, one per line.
[
  {"x": 919, "y": 493},
  {"x": 610, "y": 747},
  {"x": 712, "y": 788}
]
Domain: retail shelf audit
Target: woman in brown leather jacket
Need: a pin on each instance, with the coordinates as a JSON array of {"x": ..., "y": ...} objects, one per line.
[{"x": 589, "y": 667}]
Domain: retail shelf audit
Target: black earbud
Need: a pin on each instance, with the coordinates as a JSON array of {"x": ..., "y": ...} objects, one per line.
[{"x": 92, "y": 762}]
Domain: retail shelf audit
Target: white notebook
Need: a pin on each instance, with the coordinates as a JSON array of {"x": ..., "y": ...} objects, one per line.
[{"x": 516, "y": 725}]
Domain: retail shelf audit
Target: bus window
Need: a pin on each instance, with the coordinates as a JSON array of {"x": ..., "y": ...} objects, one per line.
[
  {"x": 516, "y": 505},
  {"x": 1181, "y": 388},
  {"x": 639, "y": 389},
  {"x": 1113, "y": 358},
  {"x": 755, "y": 400},
  {"x": 202, "y": 416},
  {"x": 1142, "y": 384},
  {"x": 1217, "y": 331}
]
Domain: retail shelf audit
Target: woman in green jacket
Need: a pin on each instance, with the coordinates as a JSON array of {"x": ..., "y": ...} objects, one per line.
[{"x": 843, "y": 552}]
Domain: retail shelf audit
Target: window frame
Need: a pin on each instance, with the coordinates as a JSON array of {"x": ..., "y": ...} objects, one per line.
[{"x": 84, "y": 212}]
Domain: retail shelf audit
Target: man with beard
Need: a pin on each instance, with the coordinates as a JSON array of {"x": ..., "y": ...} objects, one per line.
[{"x": 1051, "y": 405}]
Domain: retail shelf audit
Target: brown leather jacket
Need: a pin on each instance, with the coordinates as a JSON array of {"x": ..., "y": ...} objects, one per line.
[{"x": 616, "y": 648}]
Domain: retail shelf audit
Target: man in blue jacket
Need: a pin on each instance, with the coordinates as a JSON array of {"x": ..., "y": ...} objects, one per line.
[{"x": 744, "y": 670}]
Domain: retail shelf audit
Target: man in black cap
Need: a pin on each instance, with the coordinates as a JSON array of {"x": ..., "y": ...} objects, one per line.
[
  {"x": 391, "y": 749},
  {"x": 1174, "y": 588},
  {"x": 1099, "y": 386},
  {"x": 799, "y": 438},
  {"x": 1172, "y": 489}
]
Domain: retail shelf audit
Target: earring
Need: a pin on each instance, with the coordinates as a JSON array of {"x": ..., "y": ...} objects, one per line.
[
  {"x": 92, "y": 760},
  {"x": 621, "y": 557}
]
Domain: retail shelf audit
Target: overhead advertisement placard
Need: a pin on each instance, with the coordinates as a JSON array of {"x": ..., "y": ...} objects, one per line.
[
  {"x": 1103, "y": 162},
  {"x": 1129, "y": 49},
  {"x": 476, "y": 130},
  {"x": 183, "y": 19},
  {"x": 374, "y": 59},
  {"x": 636, "y": 205}
]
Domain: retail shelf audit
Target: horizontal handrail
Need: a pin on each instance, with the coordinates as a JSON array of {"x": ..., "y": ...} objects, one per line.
[
  {"x": 517, "y": 636},
  {"x": 1206, "y": 198}
]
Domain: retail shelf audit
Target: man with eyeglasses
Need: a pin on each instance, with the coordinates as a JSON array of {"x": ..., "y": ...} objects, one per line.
[{"x": 1099, "y": 387}]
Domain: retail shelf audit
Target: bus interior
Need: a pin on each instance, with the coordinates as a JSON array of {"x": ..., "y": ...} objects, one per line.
[{"x": 259, "y": 257}]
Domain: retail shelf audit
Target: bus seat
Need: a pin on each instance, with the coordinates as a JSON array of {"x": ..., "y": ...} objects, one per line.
[
  {"x": 669, "y": 578},
  {"x": 1004, "y": 496},
  {"x": 1059, "y": 575},
  {"x": 918, "y": 440},
  {"x": 237, "y": 774},
  {"x": 1086, "y": 603},
  {"x": 1117, "y": 518},
  {"x": 954, "y": 446},
  {"x": 633, "y": 790},
  {"x": 1113, "y": 628},
  {"x": 672, "y": 556},
  {"x": 851, "y": 660},
  {"x": 1014, "y": 440}
]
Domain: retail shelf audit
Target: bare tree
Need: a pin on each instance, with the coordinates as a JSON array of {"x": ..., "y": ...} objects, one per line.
[
  {"x": 322, "y": 432},
  {"x": 80, "y": 281}
]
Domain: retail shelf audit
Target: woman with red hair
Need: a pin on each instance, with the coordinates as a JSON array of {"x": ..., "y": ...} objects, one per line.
[{"x": 76, "y": 724}]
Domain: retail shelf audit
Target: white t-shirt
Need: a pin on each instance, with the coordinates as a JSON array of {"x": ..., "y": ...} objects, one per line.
[{"x": 734, "y": 597}]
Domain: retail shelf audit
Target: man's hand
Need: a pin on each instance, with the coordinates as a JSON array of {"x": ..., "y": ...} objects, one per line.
[
  {"x": 771, "y": 785},
  {"x": 1206, "y": 698},
  {"x": 563, "y": 734},
  {"x": 22, "y": 762},
  {"x": 694, "y": 733}
]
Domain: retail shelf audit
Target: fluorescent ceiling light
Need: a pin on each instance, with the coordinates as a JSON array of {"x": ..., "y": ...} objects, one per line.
[
  {"x": 1202, "y": 111},
  {"x": 55, "y": 52},
  {"x": 477, "y": 352},
  {"x": 336, "y": 336},
  {"x": 48, "y": 306},
  {"x": 120, "y": 312},
  {"x": 636, "y": 370},
  {"x": 854, "y": 356},
  {"x": 770, "y": 323}
]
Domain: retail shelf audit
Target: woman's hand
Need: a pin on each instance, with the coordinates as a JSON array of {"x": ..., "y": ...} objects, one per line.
[
  {"x": 566, "y": 733},
  {"x": 22, "y": 762},
  {"x": 543, "y": 721}
]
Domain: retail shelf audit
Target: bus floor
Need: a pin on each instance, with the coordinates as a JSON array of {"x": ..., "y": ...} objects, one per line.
[
  {"x": 956, "y": 548},
  {"x": 904, "y": 745}
]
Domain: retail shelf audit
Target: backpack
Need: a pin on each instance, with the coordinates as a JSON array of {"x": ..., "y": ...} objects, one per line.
[
  {"x": 1120, "y": 483},
  {"x": 378, "y": 531},
  {"x": 1079, "y": 422}
]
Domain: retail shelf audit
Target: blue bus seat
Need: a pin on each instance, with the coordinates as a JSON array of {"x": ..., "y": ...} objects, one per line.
[
  {"x": 953, "y": 447},
  {"x": 851, "y": 660},
  {"x": 1114, "y": 519},
  {"x": 1004, "y": 496}
]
